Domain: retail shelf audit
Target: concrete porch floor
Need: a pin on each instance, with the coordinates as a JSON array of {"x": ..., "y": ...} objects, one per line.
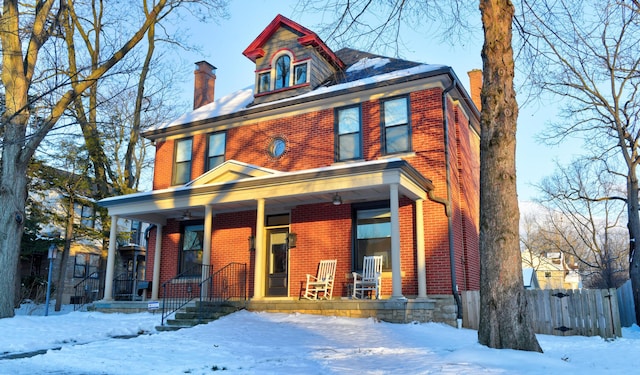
[{"x": 436, "y": 308}]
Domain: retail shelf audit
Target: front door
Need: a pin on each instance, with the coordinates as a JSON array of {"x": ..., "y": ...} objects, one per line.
[{"x": 277, "y": 262}]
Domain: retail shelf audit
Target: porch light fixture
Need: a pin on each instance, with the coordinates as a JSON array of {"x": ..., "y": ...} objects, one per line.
[
  {"x": 337, "y": 200},
  {"x": 252, "y": 243},
  {"x": 186, "y": 215},
  {"x": 292, "y": 238}
]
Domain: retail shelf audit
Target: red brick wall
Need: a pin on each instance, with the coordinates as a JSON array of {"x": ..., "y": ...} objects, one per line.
[{"x": 324, "y": 231}]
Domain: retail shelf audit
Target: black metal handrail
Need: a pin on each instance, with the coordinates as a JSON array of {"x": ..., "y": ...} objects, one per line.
[
  {"x": 229, "y": 282},
  {"x": 184, "y": 288},
  {"x": 87, "y": 290}
]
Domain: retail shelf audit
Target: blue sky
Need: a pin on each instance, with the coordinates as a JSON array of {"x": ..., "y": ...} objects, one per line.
[{"x": 222, "y": 45}]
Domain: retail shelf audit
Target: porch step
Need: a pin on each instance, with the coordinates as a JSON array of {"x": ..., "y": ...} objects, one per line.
[{"x": 201, "y": 313}]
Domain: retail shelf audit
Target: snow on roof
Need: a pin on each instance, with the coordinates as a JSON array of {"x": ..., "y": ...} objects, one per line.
[
  {"x": 240, "y": 100},
  {"x": 368, "y": 63}
]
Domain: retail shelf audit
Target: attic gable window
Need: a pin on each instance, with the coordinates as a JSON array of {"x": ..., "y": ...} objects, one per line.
[{"x": 284, "y": 73}]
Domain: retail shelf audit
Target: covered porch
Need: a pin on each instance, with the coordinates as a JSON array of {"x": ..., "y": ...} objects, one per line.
[{"x": 239, "y": 187}]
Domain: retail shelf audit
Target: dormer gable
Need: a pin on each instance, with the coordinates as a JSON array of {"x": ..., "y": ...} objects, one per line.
[
  {"x": 290, "y": 60},
  {"x": 230, "y": 170}
]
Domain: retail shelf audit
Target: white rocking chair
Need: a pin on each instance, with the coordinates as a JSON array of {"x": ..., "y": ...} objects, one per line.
[
  {"x": 321, "y": 286},
  {"x": 369, "y": 279}
]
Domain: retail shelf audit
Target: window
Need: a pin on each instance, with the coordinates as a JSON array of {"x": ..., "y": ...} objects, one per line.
[
  {"x": 84, "y": 215},
  {"x": 283, "y": 70},
  {"x": 86, "y": 265},
  {"x": 284, "y": 73},
  {"x": 182, "y": 165},
  {"x": 216, "y": 148},
  {"x": 348, "y": 134},
  {"x": 396, "y": 130},
  {"x": 373, "y": 236},
  {"x": 264, "y": 82},
  {"x": 300, "y": 74},
  {"x": 191, "y": 249}
]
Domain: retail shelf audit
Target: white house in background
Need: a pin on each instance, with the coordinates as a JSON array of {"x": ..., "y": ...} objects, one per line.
[
  {"x": 530, "y": 278},
  {"x": 553, "y": 270}
]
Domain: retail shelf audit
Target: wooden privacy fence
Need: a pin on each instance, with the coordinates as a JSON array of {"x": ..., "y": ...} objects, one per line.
[{"x": 559, "y": 312}]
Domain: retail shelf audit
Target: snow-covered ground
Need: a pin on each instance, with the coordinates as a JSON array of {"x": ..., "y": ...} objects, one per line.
[{"x": 265, "y": 343}]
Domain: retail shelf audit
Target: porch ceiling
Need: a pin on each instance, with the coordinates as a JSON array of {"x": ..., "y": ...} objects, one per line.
[{"x": 356, "y": 182}]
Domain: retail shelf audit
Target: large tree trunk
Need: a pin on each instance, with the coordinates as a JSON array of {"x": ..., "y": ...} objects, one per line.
[
  {"x": 634, "y": 232},
  {"x": 503, "y": 307}
]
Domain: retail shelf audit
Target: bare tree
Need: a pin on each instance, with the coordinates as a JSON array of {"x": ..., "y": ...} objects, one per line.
[
  {"x": 30, "y": 74},
  {"x": 587, "y": 54},
  {"x": 583, "y": 220}
]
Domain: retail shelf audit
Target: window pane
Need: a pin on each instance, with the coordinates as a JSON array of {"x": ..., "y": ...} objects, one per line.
[
  {"x": 395, "y": 112},
  {"x": 349, "y": 146},
  {"x": 282, "y": 71},
  {"x": 183, "y": 173},
  {"x": 193, "y": 236},
  {"x": 216, "y": 144},
  {"x": 183, "y": 150},
  {"x": 349, "y": 120},
  {"x": 264, "y": 82},
  {"x": 300, "y": 73},
  {"x": 397, "y": 139},
  {"x": 215, "y": 161}
]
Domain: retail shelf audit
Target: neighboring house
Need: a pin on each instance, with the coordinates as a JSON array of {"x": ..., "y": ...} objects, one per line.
[
  {"x": 553, "y": 270},
  {"x": 530, "y": 278},
  {"x": 329, "y": 155},
  {"x": 85, "y": 266}
]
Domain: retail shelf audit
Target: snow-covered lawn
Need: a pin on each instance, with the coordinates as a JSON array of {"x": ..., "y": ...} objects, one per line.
[{"x": 266, "y": 343}]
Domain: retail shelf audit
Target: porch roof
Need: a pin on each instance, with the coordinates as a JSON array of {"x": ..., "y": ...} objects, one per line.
[{"x": 355, "y": 182}]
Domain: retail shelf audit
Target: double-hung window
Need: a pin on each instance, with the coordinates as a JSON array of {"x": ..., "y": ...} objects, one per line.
[
  {"x": 396, "y": 127},
  {"x": 348, "y": 134},
  {"x": 182, "y": 164},
  {"x": 215, "y": 149},
  {"x": 86, "y": 265},
  {"x": 191, "y": 249}
]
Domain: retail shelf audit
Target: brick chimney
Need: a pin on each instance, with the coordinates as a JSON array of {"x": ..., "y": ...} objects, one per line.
[
  {"x": 204, "y": 84},
  {"x": 475, "y": 82}
]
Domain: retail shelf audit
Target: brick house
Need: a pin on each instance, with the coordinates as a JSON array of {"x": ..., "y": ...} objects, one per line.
[{"x": 329, "y": 155}]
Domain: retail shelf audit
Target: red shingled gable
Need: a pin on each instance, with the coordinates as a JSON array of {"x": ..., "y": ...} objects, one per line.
[{"x": 308, "y": 38}]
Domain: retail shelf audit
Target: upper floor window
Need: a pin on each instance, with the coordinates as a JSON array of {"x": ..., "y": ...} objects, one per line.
[
  {"x": 396, "y": 129},
  {"x": 84, "y": 215},
  {"x": 284, "y": 72},
  {"x": 348, "y": 134},
  {"x": 216, "y": 147},
  {"x": 86, "y": 265},
  {"x": 182, "y": 164}
]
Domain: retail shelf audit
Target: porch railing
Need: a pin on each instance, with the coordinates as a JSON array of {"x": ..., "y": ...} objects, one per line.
[
  {"x": 228, "y": 283},
  {"x": 87, "y": 290},
  {"x": 184, "y": 288}
]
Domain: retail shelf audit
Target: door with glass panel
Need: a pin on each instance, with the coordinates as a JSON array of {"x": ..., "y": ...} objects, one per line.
[{"x": 277, "y": 262}]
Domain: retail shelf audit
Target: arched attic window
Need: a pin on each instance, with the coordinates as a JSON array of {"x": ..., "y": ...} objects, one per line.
[{"x": 284, "y": 72}]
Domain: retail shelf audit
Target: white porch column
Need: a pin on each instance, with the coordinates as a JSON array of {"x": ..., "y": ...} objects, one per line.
[
  {"x": 396, "y": 267},
  {"x": 420, "y": 258},
  {"x": 260, "y": 253},
  {"x": 206, "y": 247},
  {"x": 155, "y": 284},
  {"x": 111, "y": 259}
]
